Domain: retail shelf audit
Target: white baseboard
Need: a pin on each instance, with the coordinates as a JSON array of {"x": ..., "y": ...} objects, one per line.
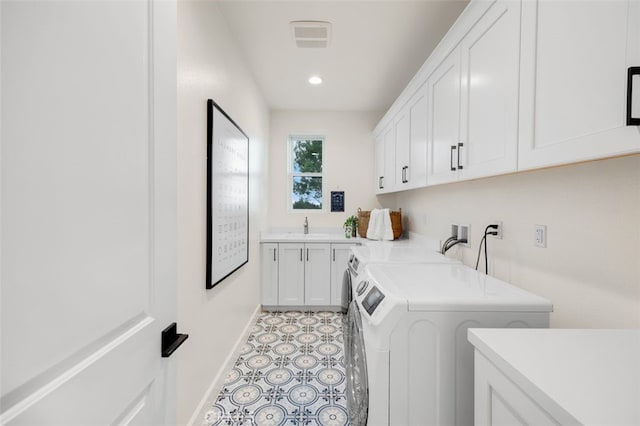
[{"x": 229, "y": 362}]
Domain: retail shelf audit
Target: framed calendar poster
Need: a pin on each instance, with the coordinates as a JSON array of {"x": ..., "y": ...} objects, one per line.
[{"x": 227, "y": 196}]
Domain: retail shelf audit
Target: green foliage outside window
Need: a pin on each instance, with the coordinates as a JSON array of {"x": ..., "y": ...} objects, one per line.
[{"x": 307, "y": 174}]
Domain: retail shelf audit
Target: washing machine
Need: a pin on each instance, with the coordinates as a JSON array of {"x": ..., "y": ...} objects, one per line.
[
  {"x": 386, "y": 252},
  {"x": 414, "y": 320}
]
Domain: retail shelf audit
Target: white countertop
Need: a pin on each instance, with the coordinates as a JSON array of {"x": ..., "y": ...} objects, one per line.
[
  {"x": 336, "y": 235},
  {"x": 321, "y": 235},
  {"x": 592, "y": 376}
]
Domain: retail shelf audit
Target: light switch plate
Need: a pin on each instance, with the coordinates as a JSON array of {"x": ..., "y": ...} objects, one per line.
[{"x": 540, "y": 236}]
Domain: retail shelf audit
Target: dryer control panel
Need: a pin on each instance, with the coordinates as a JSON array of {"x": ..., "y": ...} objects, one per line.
[{"x": 372, "y": 300}]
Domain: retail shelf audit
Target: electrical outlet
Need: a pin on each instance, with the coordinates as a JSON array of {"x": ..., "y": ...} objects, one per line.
[
  {"x": 454, "y": 230},
  {"x": 540, "y": 236},
  {"x": 464, "y": 234},
  {"x": 499, "y": 230}
]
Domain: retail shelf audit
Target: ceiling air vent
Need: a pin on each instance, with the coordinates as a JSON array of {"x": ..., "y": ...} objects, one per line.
[{"x": 311, "y": 34}]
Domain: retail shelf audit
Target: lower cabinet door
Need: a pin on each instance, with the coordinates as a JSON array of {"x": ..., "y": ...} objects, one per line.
[
  {"x": 339, "y": 258},
  {"x": 269, "y": 274},
  {"x": 499, "y": 402},
  {"x": 317, "y": 274},
  {"x": 291, "y": 274}
]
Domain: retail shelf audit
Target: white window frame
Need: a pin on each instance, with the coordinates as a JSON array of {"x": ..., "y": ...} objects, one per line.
[{"x": 292, "y": 174}]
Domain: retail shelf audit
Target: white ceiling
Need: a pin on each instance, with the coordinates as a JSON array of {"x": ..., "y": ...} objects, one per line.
[{"x": 376, "y": 47}]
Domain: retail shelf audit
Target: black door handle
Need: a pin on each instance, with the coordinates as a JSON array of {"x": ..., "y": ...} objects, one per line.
[
  {"x": 171, "y": 340},
  {"x": 460, "y": 145},
  {"x": 632, "y": 121},
  {"x": 453, "y": 169}
]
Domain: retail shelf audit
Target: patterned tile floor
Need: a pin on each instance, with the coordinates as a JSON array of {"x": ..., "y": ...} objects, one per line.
[{"x": 291, "y": 371}]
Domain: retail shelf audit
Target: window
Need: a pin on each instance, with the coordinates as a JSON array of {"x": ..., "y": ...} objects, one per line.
[{"x": 305, "y": 172}]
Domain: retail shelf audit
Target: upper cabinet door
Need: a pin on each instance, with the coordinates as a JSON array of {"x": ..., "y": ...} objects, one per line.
[
  {"x": 443, "y": 124},
  {"x": 415, "y": 173},
  {"x": 402, "y": 125},
  {"x": 490, "y": 55},
  {"x": 385, "y": 160},
  {"x": 411, "y": 142},
  {"x": 379, "y": 152},
  {"x": 389, "y": 180},
  {"x": 575, "y": 57}
]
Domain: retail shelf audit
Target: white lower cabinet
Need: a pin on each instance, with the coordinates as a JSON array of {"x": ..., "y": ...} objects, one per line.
[
  {"x": 499, "y": 402},
  {"x": 299, "y": 274}
]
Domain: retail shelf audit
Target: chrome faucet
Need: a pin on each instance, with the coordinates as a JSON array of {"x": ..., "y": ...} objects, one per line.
[{"x": 306, "y": 226}]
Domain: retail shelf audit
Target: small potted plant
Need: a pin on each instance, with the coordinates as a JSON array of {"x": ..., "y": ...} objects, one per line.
[{"x": 350, "y": 226}]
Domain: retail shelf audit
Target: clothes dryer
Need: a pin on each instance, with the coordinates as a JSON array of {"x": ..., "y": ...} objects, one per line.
[{"x": 414, "y": 320}]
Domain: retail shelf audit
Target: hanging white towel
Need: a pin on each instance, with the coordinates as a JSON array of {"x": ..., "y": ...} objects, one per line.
[
  {"x": 380, "y": 225},
  {"x": 387, "y": 231}
]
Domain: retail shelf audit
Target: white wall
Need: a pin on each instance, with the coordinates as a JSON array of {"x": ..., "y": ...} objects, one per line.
[
  {"x": 348, "y": 163},
  {"x": 590, "y": 269},
  {"x": 210, "y": 66}
]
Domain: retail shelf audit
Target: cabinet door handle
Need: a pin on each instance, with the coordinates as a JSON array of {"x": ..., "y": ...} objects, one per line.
[
  {"x": 453, "y": 169},
  {"x": 380, "y": 182},
  {"x": 460, "y": 145},
  {"x": 633, "y": 71},
  {"x": 334, "y": 255},
  {"x": 300, "y": 255},
  {"x": 274, "y": 255},
  {"x": 307, "y": 255}
]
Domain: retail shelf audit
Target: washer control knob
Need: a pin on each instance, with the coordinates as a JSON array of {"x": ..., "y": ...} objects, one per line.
[{"x": 362, "y": 287}]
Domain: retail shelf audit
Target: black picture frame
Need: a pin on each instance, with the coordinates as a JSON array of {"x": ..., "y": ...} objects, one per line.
[
  {"x": 227, "y": 196},
  {"x": 337, "y": 201}
]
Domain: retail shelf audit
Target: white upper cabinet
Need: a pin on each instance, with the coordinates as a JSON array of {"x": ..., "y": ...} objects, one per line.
[
  {"x": 516, "y": 85},
  {"x": 411, "y": 142},
  {"x": 473, "y": 94},
  {"x": 385, "y": 160},
  {"x": 490, "y": 59},
  {"x": 443, "y": 92},
  {"x": 575, "y": 57}
]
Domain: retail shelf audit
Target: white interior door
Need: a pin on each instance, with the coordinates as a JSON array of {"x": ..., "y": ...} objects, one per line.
[{"x": 88, "y": 223}]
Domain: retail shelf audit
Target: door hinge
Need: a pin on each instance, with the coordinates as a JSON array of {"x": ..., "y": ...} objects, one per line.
[{"x": 171, "y": 340}]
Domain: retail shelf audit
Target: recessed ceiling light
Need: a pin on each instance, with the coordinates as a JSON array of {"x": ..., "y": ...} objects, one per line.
[{"x": 315, "y": 80}]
